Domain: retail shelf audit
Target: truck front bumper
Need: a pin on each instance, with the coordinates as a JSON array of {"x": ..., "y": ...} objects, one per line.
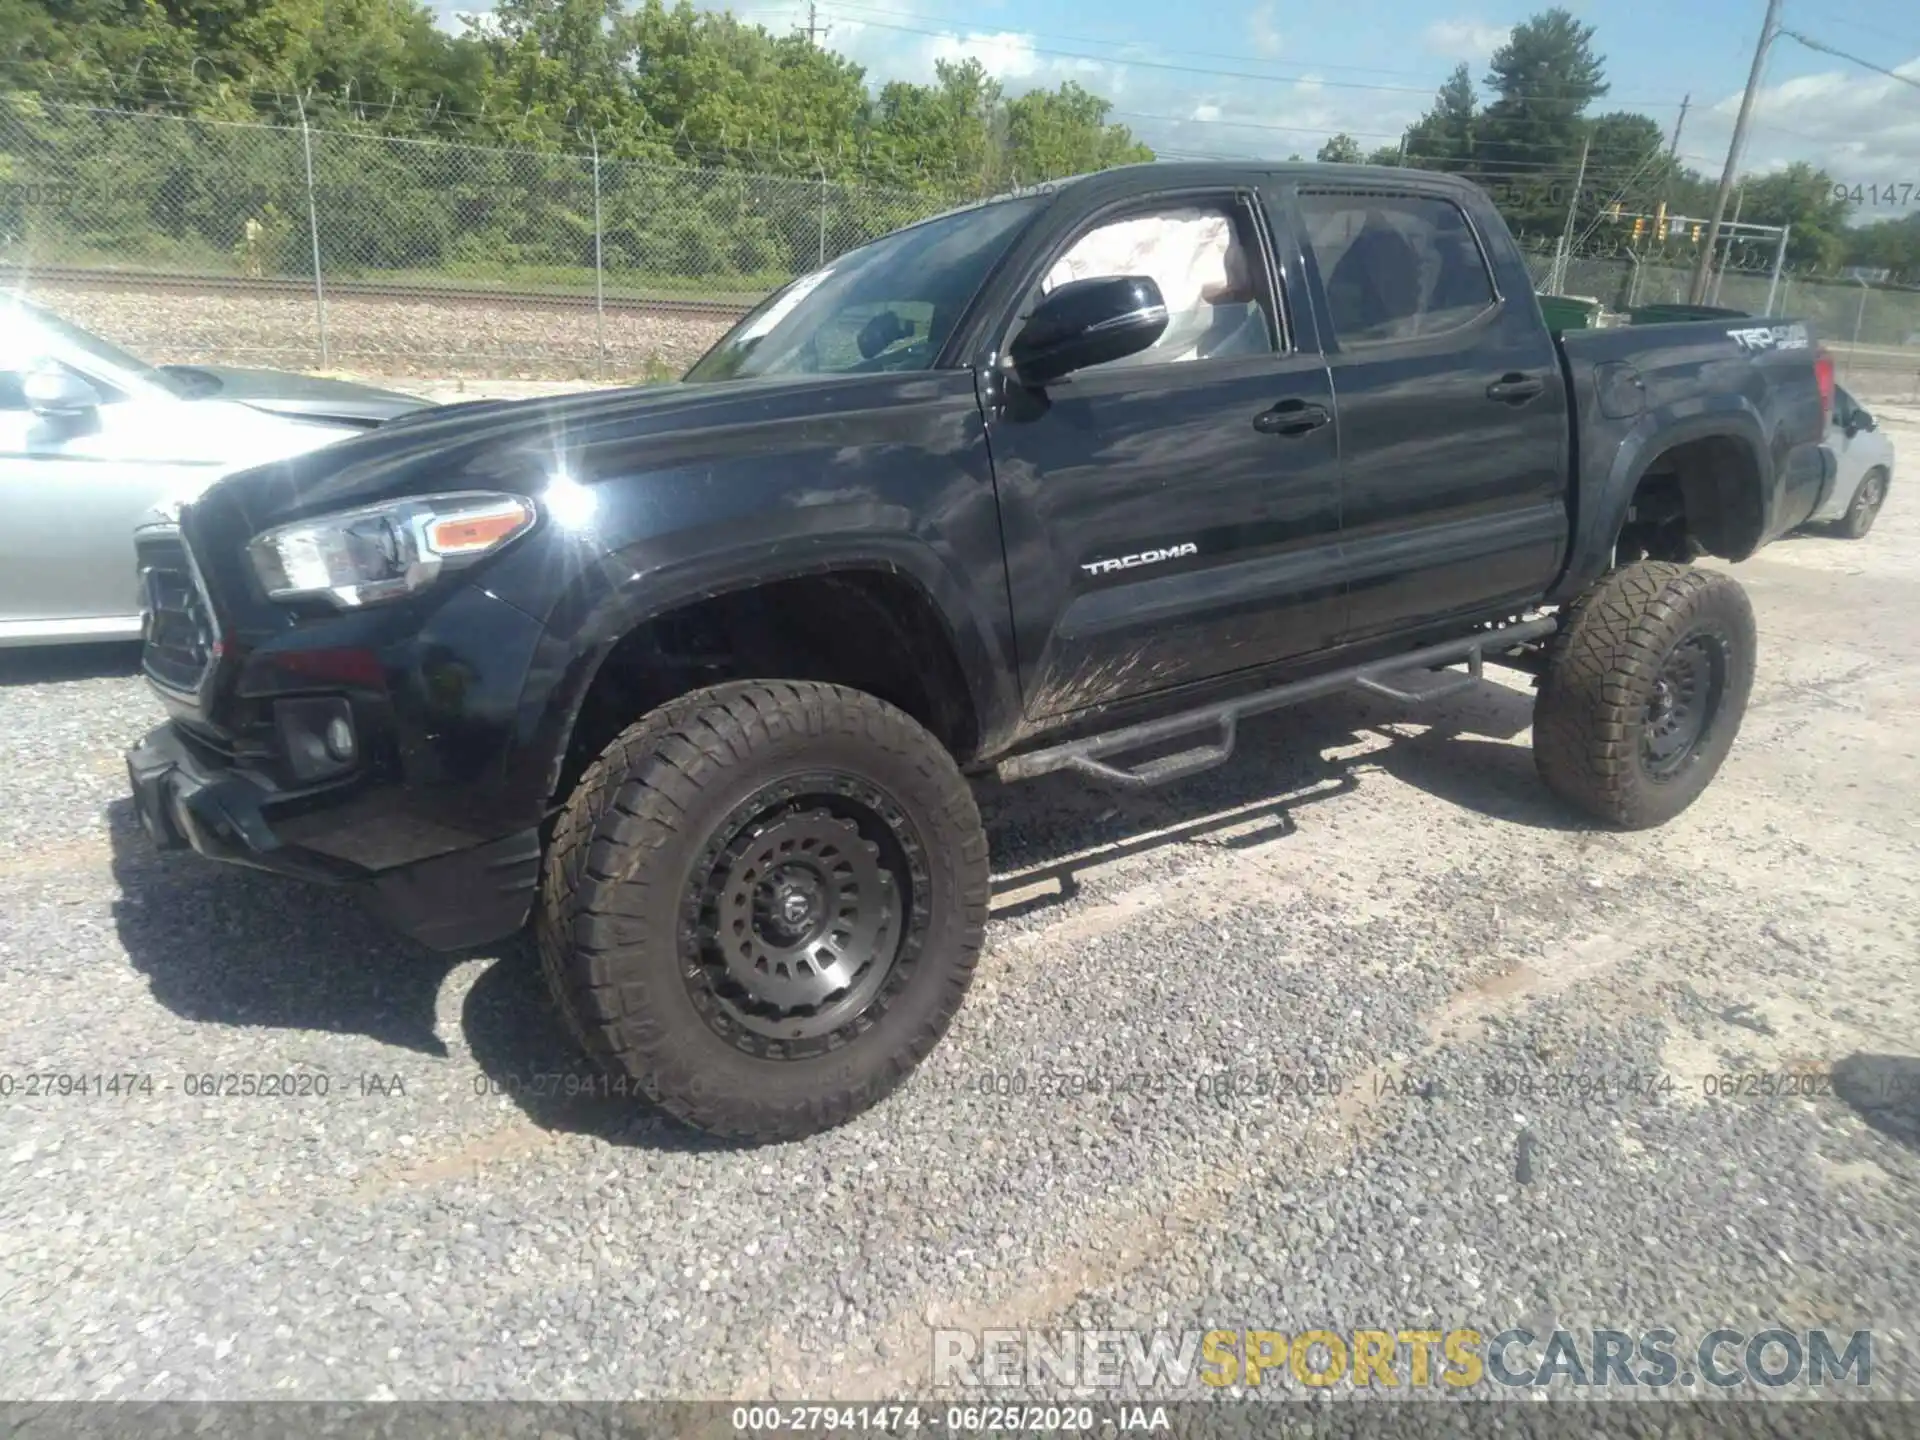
[{"x": 189, "y": 796}]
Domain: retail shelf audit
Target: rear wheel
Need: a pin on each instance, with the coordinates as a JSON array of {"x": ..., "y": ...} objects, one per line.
[
  {"x": 763, "y": 905},
  {"x": 1644, "y": 690},
  {"x": 1865, "y": 508}
]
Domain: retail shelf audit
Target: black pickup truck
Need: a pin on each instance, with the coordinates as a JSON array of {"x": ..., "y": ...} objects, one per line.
[{"x": 690, "y": 677}]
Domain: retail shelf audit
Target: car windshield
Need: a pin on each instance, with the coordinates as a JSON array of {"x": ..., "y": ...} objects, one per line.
[
  {"x": 887, "y": 306},
  {"x": 86, "y": 346}
]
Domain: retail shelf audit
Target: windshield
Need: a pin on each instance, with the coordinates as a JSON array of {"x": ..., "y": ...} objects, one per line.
[
  {"x": 83, "y": 346},
  {"x": 887, "y": 306}
]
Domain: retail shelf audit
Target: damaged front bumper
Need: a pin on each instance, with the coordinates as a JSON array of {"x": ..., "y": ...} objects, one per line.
[{"x": 189, "y": 796}]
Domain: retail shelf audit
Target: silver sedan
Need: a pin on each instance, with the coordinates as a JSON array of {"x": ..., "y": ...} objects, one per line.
[
  {"x": 92, "y": 438},
  {"x": 1863, "y": 468}
]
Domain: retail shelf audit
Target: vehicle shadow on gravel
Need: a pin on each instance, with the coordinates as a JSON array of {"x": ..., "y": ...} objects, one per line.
[
  {"x": 1458, "y": 750},
  {"x": 226, "y": 946},
  {"x": 1884, "y": 1091}
]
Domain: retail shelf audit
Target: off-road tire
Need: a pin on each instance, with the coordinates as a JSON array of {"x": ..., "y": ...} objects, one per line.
[
  {"x": 612, "y": 926},
  {"x": 1596, "y": 716},
  {"x": 1865, "y": 506}
]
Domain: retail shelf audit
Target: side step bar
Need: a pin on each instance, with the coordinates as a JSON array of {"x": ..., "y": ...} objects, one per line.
[{"x": 1376, "y": 678}]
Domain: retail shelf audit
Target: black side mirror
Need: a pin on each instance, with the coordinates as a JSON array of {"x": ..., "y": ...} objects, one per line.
[
  {"x": 1863, "y": 421},
  {"x": 1088, "y": 322}
]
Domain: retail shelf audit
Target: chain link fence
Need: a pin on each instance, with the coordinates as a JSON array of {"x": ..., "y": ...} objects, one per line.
[
  {"x": 1872, "y": 328},
  {"x": 320, "y": 248}
]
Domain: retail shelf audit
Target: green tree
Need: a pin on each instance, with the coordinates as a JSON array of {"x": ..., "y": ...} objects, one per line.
[
  {"x": 945, "y": 135},
  {"x": 1528, "y": 140},
  {"x": 1443, "y": 138},
  {"x": 557, "y": 71},
  {"x": 1802, "y": 197},
  {"x": 1055, "y": 133},
  {"x": 1341, "y": 149},
  {"x": 1888, "y": 244}
]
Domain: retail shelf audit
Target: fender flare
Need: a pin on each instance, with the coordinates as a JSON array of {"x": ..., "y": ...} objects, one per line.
[
  {"x": 1729, "y": 418},
  {"x": 581, "y": 647}
]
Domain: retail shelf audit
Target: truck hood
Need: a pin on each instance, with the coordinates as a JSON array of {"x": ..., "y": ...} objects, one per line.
[
  {"x": 520, "y": 446},
  {"x": 303, "y": 397}
]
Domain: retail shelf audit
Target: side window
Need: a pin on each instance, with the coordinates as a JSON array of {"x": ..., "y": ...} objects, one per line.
[
  {"x": 1395, "y": 267},
  {"x": 1205, "y": 257}
]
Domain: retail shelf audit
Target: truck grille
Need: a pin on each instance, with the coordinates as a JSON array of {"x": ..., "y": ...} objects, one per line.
[{"x": 177, "y": 625}]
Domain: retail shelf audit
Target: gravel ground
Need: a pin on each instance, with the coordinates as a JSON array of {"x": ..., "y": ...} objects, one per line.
[
  {"x": 1378, "y": 895},
  {"x": 402, "y": 338}
]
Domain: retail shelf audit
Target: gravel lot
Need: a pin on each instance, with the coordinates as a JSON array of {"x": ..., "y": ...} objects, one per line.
[{"x": 1383, "y": 895}]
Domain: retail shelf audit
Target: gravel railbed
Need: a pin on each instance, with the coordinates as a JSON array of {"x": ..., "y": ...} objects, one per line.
[
  {"x": 1381, "y": 896},
  {"x": 402, "y": 338}
]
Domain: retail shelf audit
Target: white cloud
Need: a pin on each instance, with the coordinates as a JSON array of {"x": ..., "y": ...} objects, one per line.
[
  {"x": 910, "y": 49},
  {"x": 1006, "y": 56},
  {"x": 1859, "y": 127},
  {"x": 1260, "y": 30},
  {"x": 1205, "y": 113},
  {"x": 1464, "y": 39}
]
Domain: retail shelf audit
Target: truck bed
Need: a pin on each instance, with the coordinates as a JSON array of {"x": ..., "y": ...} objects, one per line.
[{"x": 1634, "y": 388}]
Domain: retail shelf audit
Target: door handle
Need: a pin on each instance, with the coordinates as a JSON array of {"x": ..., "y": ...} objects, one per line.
[
  {"x": 1292, "y": 417},
  {"x": 1514, "y": 388}
]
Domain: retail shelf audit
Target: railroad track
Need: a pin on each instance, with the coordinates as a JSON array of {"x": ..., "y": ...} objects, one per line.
[{"x": 80, "y": 278}]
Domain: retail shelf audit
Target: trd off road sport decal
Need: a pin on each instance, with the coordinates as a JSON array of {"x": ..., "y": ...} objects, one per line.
[
  {"x": 1145, "y": 557},
  {"x": 1770, "y": 337}
]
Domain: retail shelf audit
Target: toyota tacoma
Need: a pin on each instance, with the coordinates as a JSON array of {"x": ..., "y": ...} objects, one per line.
[{"x": 688, "y": 680}]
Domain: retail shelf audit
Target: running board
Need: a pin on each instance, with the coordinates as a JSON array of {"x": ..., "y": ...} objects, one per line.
[{"x": 1376, "y": 678}]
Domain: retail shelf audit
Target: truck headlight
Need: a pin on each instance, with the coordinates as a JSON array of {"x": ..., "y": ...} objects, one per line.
[{"x": 381, "y": 552}]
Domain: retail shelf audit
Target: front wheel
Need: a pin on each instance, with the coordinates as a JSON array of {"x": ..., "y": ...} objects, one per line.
[
  {"x": 1644, "y": 690},
  {"x": 763, "y": 905}
]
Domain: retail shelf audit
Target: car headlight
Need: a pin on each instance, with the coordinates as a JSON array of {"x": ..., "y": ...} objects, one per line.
[{"x": 381, "y": 552}]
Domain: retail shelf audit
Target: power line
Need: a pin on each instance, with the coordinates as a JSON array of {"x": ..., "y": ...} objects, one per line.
[
  {"x": 1852, "y": 24},
  {"x": 1826, "y": 49}
]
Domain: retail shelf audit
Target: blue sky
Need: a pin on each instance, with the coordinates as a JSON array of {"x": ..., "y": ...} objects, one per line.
[{"x": 1291, "y": 72}]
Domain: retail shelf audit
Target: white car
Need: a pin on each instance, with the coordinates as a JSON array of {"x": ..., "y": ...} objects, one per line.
[
  {"x": 1863, "y": 469},
  {"x": 91, "y": 439}
]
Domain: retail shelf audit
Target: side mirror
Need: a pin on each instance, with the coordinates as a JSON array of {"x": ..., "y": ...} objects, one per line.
[
  {"x": 1862, "y": 420},
  {"x": 57, "y": 392},
  {"x": 1088, "y": 322}
]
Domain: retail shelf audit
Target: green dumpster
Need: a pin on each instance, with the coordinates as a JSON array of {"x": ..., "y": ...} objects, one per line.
[{"x": 1569, "y": 312}]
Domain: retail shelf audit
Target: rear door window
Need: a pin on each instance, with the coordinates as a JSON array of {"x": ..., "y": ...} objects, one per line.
[{"x": 1395, "y": 267}]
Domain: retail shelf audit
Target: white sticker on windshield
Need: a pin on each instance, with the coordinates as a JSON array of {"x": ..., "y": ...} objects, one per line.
[{"x": 784, "y": 306}]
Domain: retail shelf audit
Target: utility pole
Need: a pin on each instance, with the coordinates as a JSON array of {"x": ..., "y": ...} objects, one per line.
[
  {"x": 1686, "y": 103},
  {"x": 1726, "y": 250},
  {"x": 1768, "y": 30},
  {"x": 815, "y": 30},
  {"x": 1573, "y": 209}
]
